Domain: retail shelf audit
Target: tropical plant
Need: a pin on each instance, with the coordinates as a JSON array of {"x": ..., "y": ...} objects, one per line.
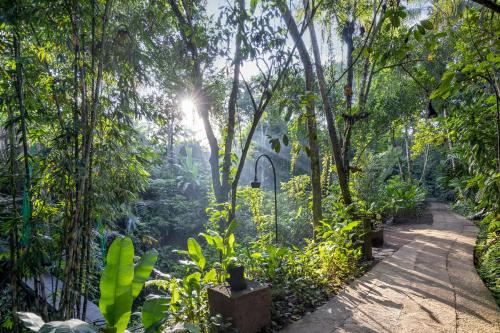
[
  {"x": 189, "y": 173},
  {"x": 402, "y": 197},
  {"x": 121, "y": 282},
  {"x": 185, "y": 302}
]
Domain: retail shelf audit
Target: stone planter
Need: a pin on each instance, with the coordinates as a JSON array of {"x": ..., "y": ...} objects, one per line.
[{"x": 249, "y": 310}]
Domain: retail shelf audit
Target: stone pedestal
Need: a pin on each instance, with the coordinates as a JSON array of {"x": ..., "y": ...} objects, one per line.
[{"x": 248, "y": 310}]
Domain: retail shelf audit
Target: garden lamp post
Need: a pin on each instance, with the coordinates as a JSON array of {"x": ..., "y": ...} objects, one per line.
[{"x": 256, "y": 184}]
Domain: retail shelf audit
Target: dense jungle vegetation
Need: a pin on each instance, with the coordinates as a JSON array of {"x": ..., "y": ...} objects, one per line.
[{"x": 132, "y": 127}]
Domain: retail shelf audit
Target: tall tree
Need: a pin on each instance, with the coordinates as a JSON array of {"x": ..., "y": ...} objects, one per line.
[
  {"x": 336, "y": 146},
  {"x": 309, "y": 102}
]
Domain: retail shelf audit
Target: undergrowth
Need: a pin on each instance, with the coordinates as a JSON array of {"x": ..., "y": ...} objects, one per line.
[{"x": 487, "y": 254}]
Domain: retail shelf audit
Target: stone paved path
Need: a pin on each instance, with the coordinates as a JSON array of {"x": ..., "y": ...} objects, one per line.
[
  {"x": 52, "y": 292},
  {"x": 428, "y": 285}
]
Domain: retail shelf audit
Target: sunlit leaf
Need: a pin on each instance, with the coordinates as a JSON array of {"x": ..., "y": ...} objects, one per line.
[
  {"x": 196, "y": 253},
  {"x": 143, "y": 270}
]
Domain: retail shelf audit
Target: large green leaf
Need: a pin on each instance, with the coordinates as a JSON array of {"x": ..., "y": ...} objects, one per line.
[
  {"x": 194, "y": 250},
  {"x": 154, "y": 309},
  {"x": 116, "y": 284},
  {"x": 445, "y": 86},
  {"x": 143, "y": 270},
  {"x": 192, "y": 282}
]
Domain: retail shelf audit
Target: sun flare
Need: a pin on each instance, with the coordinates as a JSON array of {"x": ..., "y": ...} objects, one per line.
[
  {"x": 191, "y": 120},
  {"x": 188, "y": 106}
]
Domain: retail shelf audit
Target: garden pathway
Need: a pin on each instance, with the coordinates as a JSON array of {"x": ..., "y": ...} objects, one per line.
[
  {"x": 52, "y": 292},
  {"x": 428, "y": 285}
]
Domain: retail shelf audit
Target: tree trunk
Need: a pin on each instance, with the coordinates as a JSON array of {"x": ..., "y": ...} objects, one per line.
[
  {"x": 348, "y": 39},
  {"x": 424, "y": 167},
  {"x": 71, "y": 230},
  {"x": 227, "y": 161},
  {"x": 185, "y": 22},
  {"x": 23, "y": 116},
  {"x": 393, "y": 143},
  {"x": 408, "y": 157},
  {"x": 450, "y": 144},
  {"x": 348, "y": 93},
  {"x": 13, "y": 239},
  {"x": 258, "y": 112},
  {"x": 327, "y": 110},
  {"x": 310, "y": 113}
]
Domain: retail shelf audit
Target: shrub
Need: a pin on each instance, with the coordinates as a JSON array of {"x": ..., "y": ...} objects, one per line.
[
  {"x": 487, "y": 253},
  {"x": 402, "y": 197}
]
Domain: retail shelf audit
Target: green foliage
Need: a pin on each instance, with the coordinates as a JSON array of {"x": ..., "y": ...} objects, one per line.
[
  {"x": 168, "y": 214},
  {"x": 70, "y": 326},
  {"x": 119, "y": 283},
  {"x": 186, "y": 301},
  {"x": 402, "y": 197},
  {"x": 487, "y": 253},
  {"x": 194, "y": 250},
  {"x": 253, "y": 209},
  {"x": 116, "y": 284},
  {"x": 296, "y": 197},
  {"x": 142, "y": 270},
  {"x": 188, "y": 179},
  {"x": 303, "y": 278},
  {"x": 225, "y": 246},
  {"x": 154, "y": 311},
  {"x": 377, "y": 168}
]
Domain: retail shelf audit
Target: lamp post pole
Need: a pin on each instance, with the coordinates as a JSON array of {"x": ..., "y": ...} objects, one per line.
[{"x": 256, "y": 184}]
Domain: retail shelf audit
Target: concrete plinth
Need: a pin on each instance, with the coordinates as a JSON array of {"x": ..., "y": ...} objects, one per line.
[{"x": 248, "y": 310}]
